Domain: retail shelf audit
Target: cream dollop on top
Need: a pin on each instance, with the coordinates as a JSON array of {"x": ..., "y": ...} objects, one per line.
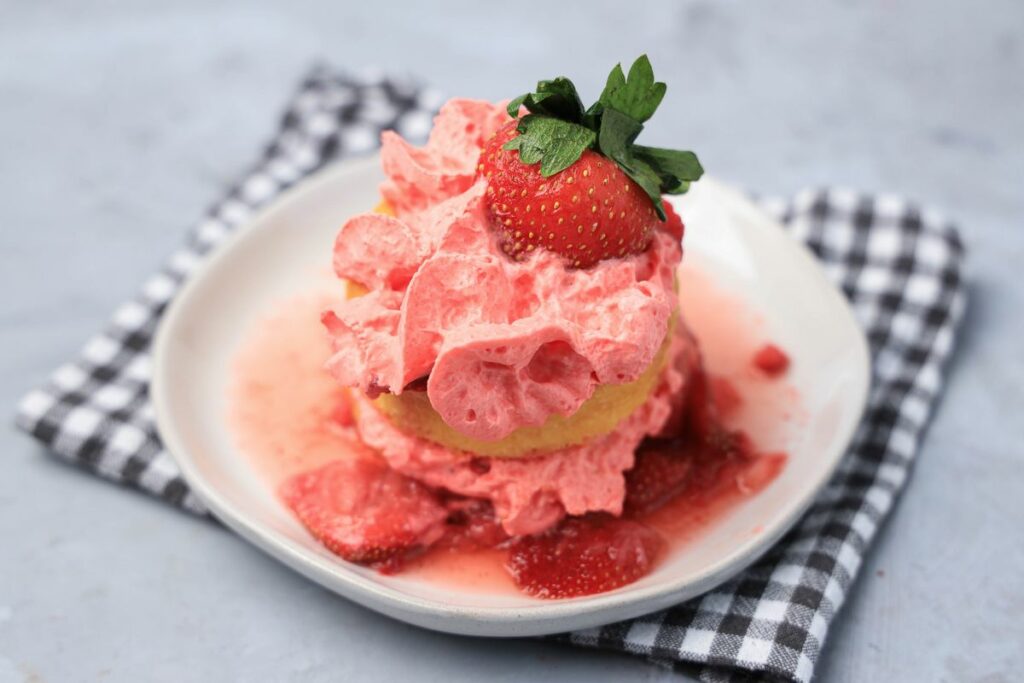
[{"x": 505, "y": 344}]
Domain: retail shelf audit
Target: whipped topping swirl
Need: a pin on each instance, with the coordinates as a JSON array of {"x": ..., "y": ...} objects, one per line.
[{"x": 504, "y": 344}]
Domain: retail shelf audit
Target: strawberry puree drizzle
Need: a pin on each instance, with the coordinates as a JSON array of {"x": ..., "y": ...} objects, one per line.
[{"x": 288, "y": 416}]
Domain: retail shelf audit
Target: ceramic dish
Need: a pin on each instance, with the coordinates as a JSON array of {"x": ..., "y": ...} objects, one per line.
[{"x": 729, "y": 238}]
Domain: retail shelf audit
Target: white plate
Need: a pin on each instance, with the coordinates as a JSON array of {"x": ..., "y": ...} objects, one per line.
[{"x": 732, "y": 241}]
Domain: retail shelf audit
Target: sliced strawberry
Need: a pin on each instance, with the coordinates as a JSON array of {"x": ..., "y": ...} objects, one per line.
[
  {"x": 661, "y": 473},
  {"x": 587, "y": 212},
  {"x": 771, "y": 360},
  {"x": 688, "y": 463},
  {"x": 365, "y": 512},
  {"x": 699, "y": 410},
  {"x": 583, "y": 556},
  {"x": 689, "y": 466},
  {"x": 472, "y": 525}
]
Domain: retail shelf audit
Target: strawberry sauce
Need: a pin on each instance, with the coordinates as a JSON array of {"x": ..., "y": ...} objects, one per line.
[{"x": 289, "y": 417}]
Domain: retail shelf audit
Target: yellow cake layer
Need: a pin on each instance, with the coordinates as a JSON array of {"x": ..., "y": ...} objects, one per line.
[{"x": 601, "y": 413}]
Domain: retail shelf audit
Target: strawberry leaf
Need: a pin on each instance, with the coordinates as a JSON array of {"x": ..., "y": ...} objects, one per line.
[
  {"x": 554, "y": 143},
  {"x": 647, "y": 178},
  {"x": 556, "y": 98},
  {"x": 515, "y": 104},
  {"x": 637, "y": 95},
  {"x": 558, "y": 129},
  {"x": 676, "y": 168},
  {"x": 618, "y": 131}
]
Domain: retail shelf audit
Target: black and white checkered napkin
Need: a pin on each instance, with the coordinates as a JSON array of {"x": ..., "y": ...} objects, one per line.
[{"x": 899, "y": 266}]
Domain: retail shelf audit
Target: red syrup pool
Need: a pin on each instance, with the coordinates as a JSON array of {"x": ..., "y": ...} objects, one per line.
[{"x": 288, "y": 416}]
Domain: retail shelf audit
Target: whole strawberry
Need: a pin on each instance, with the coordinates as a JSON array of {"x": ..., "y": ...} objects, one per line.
[
  {"x": 588, "y": 212},
  {"x": 572, "y": 181}
]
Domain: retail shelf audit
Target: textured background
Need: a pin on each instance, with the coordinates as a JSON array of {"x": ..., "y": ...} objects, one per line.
[{"x": 120, "y": 122}]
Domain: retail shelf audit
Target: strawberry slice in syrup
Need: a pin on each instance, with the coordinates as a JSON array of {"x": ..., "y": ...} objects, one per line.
[
  {"x": 583, "y": 556},
  {"x": 472, "y": 525},
  {"x": 364, "y": 512}
]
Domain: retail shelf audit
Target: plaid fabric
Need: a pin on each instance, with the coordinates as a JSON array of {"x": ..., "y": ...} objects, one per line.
[{"x": 899, "y": 266}]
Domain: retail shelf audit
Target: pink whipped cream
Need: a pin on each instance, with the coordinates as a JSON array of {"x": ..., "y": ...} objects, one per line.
[
  {"x": 532, "y": 494},
  {"x": 505, "y": 344}
]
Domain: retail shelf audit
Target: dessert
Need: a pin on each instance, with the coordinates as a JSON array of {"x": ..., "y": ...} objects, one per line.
[{"x": 511, "y": 361}]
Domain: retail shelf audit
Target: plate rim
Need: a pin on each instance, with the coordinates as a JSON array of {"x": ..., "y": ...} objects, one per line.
[{"x": 339, "y": 576}]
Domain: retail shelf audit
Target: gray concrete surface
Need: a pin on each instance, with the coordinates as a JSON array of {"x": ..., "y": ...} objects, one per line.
[{"x": 120, "y": 121}]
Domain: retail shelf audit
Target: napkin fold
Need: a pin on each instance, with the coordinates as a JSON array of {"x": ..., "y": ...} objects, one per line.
[{"x": 898, "y": 264}]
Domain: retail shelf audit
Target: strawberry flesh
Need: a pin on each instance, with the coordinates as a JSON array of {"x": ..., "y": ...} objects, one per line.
[
  {"x": 364, "y": 512},
  {"x": 660, "y": 474},
  {"x": 690, "y": 463},
  {"x": 472, "y": 525},
  {"x": 583, "y": 556},
  {"x": 586, "y": 213}
]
